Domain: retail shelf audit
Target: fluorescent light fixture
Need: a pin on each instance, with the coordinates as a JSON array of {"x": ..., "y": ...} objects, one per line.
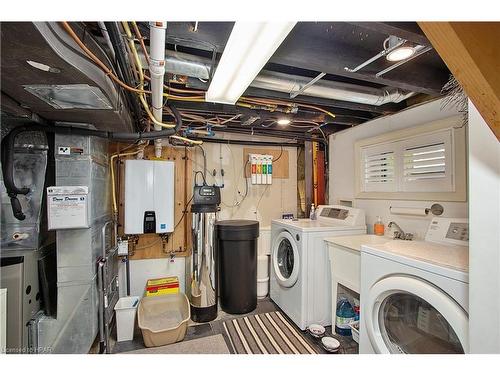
[
  {"x": 401, "y": 53},
  {"x": 250, "y": 46},
  {"x": 283, "y": 121}
]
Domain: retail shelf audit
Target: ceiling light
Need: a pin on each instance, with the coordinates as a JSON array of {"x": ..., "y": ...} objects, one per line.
[
  {"x": 250, "y": 46},
  {"x": 396, "y": 50},
  {"x": 283, "y": 121},
  {"x": 401, "y": 53}
]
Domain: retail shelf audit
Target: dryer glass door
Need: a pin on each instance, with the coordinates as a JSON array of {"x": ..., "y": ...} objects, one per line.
[
  {"x": 411, "y": 325},
  {"x": 285, "y": 260},
  {"x": 404, "y": 314}
]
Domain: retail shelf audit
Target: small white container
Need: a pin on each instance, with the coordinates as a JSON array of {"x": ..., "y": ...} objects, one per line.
[
  {"x": 355, "y": 330},
  {"x": 262, "y": 287},
  {"x": 126, "y": 309},
  {"x": 262, "y": 266}
]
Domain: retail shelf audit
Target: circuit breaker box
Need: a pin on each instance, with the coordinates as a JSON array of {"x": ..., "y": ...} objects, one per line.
[{"x": 149, "y": 196}]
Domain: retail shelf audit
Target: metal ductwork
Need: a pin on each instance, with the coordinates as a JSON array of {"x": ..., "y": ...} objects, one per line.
[
  {"x": 329, "y": 90},
  {"x": 193, "y": 66}
]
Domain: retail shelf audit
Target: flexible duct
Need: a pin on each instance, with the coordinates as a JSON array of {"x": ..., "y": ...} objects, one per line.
[
  {"x": 193, "y": 66},
  {"x": 157, "y": 36},
  {"x": 329, "y": 90},
  {"x": 8, "y": 142}
]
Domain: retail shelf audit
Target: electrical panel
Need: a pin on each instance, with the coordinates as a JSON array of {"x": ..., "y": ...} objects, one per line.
[
  {"x": 261, "y": 169},
  {"x": 149, "y": 196}
]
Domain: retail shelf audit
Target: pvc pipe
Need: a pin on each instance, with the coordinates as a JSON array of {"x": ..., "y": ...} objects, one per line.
[{"x": 157, "y": 34}]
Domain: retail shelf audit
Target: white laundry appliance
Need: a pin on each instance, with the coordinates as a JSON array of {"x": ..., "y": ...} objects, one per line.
[
  {"x": 300, "y": 270},
  {"x": 414, "y": 294}
]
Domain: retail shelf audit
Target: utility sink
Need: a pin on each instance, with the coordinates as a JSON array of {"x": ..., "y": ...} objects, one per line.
[{"x": 355, "y": 242}]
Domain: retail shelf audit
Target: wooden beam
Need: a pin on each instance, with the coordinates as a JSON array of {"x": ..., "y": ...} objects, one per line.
[{"x": 471, "y": 50}]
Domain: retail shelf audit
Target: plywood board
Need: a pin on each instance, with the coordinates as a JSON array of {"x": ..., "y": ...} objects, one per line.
[
  {"x": 150, "y": 246},
  {"x": 280, "y": 161}
]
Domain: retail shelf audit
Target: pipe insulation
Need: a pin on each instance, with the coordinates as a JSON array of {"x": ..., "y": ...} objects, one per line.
[
  {"x": 329, "y": 90},
  {"x": 157, "y": 36}
]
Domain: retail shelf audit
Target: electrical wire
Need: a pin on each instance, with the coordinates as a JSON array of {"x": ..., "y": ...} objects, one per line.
[
  {"x": 112, "y": 163},
  {"x": 184, "y": 212}
]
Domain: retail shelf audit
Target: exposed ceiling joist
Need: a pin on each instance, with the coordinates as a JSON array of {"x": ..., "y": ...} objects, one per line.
[{"x": 406, "y": 30}]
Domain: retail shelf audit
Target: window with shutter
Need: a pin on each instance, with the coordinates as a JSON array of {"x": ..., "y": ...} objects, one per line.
[{"x": 426, "y": 162}]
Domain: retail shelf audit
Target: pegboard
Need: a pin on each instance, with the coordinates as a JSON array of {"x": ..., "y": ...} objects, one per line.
[
  {"x": 150, "y": 246},
  {"x": 280, "y": 167}
]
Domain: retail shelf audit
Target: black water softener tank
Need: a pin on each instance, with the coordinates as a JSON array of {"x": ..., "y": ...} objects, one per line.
[{"x": 237, "y": 257}]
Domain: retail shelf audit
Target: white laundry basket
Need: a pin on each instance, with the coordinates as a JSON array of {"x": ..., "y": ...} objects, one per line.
[
  {"x": 262, "y": 276},
  {"x": 126, "y": 309}
]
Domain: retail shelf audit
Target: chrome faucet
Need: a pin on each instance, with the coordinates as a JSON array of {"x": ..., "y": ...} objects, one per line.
[{"x": 399, "y": 233}]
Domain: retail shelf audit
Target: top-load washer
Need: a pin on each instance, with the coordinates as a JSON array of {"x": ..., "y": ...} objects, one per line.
[
  {"x": 414, "y": 294},
  {"x": 300, "y": 270}
]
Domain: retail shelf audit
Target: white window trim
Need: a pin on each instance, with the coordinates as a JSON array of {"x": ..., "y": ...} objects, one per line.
[{"x": 458, "y": 160}]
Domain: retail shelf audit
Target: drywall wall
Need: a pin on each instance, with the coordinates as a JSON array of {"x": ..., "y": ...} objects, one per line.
[
  {"x": 264, "y": 202},
  {"x": 341, "y": 168},
  {"x": 484, "y": 239}
]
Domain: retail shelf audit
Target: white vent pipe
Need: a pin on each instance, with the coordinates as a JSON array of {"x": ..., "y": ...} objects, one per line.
[{"x": 157, "y": 35}]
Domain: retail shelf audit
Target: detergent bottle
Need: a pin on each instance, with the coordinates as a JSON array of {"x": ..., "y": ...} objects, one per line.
[{"x": 345, "y": 316}]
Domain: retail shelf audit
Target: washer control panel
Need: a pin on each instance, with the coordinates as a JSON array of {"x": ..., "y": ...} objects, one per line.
[{"x": 450, "y": 231}]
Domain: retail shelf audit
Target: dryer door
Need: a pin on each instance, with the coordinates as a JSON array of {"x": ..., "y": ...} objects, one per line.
[
  {"x": 408, "y": 315},
  {"x": 285, "y": 258}
]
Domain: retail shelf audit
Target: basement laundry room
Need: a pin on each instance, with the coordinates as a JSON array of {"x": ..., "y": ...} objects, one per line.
[{"x": 321, "y": 190}]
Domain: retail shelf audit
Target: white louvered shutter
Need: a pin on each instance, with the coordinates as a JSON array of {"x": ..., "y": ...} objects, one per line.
[
  {"x": 378, "y": 168},
  {"x": 427, "y": 163}
]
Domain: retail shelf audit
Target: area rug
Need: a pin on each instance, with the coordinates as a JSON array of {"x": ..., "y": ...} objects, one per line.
[
  {"x": 214, "y": 344},
  {"x": 268, "y": 333}
]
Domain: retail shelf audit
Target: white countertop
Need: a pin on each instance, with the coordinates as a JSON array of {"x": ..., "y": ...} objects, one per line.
[
  {"x": 355, "y": 242},
  {"x": 455, "y": 257}
]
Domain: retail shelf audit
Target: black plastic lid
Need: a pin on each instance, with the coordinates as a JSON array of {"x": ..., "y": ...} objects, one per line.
[{"x": 237, "y": 230}]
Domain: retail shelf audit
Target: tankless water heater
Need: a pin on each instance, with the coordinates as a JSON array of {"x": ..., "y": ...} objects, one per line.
[{"x": 149, "y": 196}]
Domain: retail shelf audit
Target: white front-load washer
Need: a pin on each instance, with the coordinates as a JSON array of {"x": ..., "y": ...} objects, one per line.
[
  {"x": 414, "y": 294},
  {"x": 300, "y": 270}
]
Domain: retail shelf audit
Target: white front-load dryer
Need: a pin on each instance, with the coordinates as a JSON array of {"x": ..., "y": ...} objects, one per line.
[
  {"x": 300, "y": 270},
  {"x": 414, "y": 294}
]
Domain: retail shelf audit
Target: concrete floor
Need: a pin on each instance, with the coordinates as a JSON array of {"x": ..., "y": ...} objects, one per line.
[{"x": 199, "y": 330}]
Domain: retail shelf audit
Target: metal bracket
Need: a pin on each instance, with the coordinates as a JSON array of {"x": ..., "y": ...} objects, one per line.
[
  {"x": 376, "y": 57},
  {"x": 307, "y": 85}
]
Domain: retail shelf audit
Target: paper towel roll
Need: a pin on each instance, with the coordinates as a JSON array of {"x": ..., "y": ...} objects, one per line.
[{"x": 408, "y": 211}]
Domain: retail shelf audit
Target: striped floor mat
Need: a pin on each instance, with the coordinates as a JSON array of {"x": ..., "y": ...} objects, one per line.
[{"x": 268, "y": 333}]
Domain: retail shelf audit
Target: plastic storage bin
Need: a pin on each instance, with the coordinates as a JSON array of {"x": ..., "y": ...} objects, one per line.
[
  {"x": 125, "y": 309},
  {"x": 163, "y": 319},
  {"x": 355, "y": 330}
]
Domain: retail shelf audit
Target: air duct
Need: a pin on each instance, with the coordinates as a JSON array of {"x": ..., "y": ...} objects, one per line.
[
  {"x": 329, "y": 90},
  {"x": 196, "y": 67}
]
